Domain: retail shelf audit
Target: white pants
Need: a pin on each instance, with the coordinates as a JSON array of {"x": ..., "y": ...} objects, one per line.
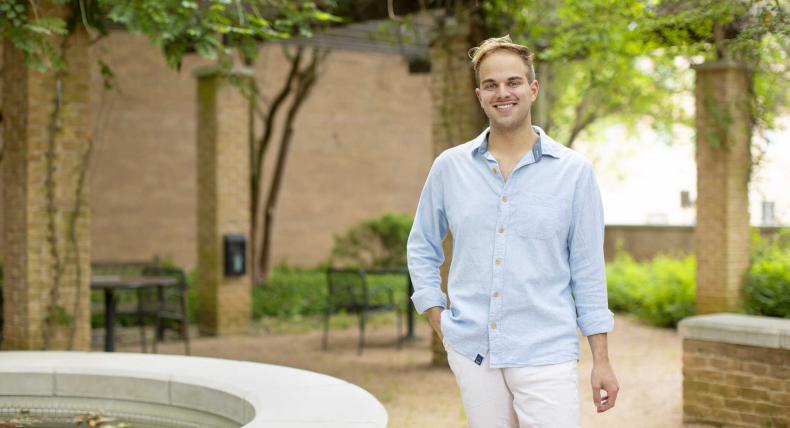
[{"x": 521, "y": 397}]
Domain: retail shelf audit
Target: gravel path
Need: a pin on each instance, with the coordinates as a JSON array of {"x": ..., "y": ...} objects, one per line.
[{"x": 647, "y": 361}]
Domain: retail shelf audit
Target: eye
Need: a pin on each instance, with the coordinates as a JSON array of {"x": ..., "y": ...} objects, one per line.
[
  {"x": 489, "y": 86},
  {"x": 514, "y": 84}
]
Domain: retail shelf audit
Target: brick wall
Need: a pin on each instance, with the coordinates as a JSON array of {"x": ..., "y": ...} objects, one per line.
[
  {"x": 735, "y": 385},
  {"x": 736, "y": 371},
  {"x": 361, "y": 147}
]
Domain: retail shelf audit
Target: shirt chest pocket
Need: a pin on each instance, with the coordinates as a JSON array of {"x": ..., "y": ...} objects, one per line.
[{"x": 540, "y": 217}]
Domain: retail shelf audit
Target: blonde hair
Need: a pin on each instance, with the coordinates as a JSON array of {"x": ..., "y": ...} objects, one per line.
[{"x": 479, "y": 53}]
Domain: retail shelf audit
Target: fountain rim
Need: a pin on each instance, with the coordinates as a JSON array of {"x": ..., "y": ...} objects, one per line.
[{"x": 251, "y": 394}]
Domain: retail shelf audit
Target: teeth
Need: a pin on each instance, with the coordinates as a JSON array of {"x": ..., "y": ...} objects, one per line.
[{"x": 502, "y": 107}]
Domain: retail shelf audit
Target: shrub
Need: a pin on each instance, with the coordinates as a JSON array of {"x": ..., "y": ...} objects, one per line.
[
  {"x": 670, "y": 294},
  {"x": 766, "y": 288},
  {"x": 660, "y": 292},
  {"x": 295, "y": 292},
  {"x": 624, "y": 278},
  {"x": 377, "y": 242},
  {"x": 290, "y": 292}
]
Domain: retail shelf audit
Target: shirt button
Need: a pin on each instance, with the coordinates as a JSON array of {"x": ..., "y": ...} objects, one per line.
[
  {"x": 501, "y": 230},
  {"x": 496, "y": 294},
  {"x": 504, "y": 198},
  {"x": 493, "y": 325},
  {"x": 493, "y": 170},
  {"x": 498, "y": 261}
]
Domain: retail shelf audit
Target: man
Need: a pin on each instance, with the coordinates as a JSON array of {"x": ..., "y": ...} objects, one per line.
[{"x": 526, "y": 218}]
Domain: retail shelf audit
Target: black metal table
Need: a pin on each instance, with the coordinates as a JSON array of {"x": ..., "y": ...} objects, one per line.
[
  {"x": 409, "y": 291},
  {"x": 111, "y": 283}
]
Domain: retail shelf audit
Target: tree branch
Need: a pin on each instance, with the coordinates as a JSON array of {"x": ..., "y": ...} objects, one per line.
[
  {"x": 581, "y": 119},
  {"x": 305, "y": 81}
]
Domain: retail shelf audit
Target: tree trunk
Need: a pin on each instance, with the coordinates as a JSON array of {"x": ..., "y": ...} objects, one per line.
[
  {"x": 457, "y": 116},
  {"x": 305, "y": 80},
  {"x": 257, "y": 155},
  {"x": 541, "y": 109}
]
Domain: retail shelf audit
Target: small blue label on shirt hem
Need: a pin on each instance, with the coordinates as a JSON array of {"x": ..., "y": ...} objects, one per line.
[{"x": 479, "y": 359}]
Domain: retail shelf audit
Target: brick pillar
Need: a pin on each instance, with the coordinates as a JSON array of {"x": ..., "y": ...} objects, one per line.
[
  {"x": 46, "y": 233},
  {"x": 457, "y": 118},
  {"x": 223, "y": 198},
  {"x": 721, "y": 236}
]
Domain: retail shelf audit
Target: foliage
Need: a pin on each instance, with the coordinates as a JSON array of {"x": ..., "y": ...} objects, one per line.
[
  {"x": 766, "y": 288},
  {"x": 212, "y": 28},
  {"x": 297, "y": 292},
  {"x": 750, "y": 32},
  {"x": 625, "y": 278},
  {"x": 660, "y": 292},
  {"x": 31, "y": 35},
  {"x": 291, "y": 292},
  {"x": 377, "y": 242},
  {"x": 595, "y": 61},
  {"x": 629, "y": 60}
]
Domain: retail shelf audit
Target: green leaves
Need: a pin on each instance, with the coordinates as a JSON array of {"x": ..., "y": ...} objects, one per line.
[
  {"x": 47, "y": 26},
  {"x": 596, "y": 62},
  {"x": 213, "y": 29},
  {"x": 660, "y": 292},
  {"x": 377, "y": 242},
  {"x": 766, "y": 289},
  {"x": 590, "y": 52}
]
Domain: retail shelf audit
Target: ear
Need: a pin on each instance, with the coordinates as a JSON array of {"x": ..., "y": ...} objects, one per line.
[
  {"x": 534, "y": 88},
  {"x": 477, "y": 94}
]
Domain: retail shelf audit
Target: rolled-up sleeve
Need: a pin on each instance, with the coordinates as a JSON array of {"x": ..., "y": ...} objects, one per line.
[
  {"x": 586, "y": 258},
  {"x": 424, "y": 247}
]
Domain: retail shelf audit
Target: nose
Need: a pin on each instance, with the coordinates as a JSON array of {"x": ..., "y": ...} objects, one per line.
[{"x": 501, "y": 90}]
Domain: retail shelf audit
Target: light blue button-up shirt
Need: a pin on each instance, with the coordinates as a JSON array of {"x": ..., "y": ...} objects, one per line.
[{"x": 527, "y": 263}]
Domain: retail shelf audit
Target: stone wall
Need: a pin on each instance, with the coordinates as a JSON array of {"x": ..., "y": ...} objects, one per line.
[{"x": 736, "y": 371}]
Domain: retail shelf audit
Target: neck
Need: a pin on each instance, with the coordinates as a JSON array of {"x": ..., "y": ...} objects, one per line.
[{"x": 513, "y": 140}]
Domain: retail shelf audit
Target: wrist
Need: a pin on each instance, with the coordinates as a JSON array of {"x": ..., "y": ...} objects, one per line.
[{"x": 601, "y": 360}]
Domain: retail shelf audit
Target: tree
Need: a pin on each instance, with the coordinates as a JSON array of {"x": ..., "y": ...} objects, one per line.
[
  {"x": 593, "y": 63},
  {"x": 213, "y": 29},
  {"x": 302, "y": 76},
  {"x": 736, "y": 44},
  {"x": 755, "y": 33}
]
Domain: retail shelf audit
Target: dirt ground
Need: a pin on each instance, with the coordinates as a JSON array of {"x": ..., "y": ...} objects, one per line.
[{"x": 647, "y": 361}]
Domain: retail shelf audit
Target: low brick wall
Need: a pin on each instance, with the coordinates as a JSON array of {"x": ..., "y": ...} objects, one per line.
[{"x": 736, "y": 371}]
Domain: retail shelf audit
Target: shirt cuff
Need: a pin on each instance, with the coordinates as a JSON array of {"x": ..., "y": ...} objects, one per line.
[
  {"x": 597, "y": 322},
  {"x": 428, "y": 298}
]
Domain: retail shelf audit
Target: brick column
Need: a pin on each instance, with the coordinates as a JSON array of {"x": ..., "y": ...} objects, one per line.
[
  {"x": 46, "y": 235},
  {"x": 223, "y": 198},
  {"x": 721, "y": 236}
]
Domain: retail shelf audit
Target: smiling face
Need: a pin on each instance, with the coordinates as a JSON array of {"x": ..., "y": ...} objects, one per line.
[{"x": 504, "y": 92}]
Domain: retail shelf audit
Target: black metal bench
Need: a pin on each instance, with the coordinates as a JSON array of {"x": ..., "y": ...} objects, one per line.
[{"x": 349, "y": 290}]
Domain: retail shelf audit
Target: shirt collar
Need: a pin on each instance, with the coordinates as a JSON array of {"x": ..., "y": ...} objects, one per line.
[{"x": 545, "y": 145}]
